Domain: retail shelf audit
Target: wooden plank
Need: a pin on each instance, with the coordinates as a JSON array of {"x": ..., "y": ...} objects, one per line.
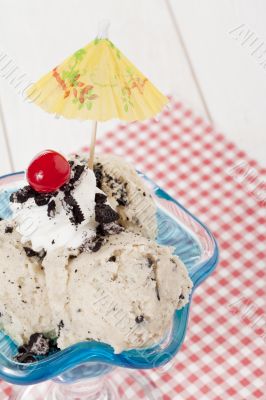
[
  {"x": 231, "y": 73},
  {"x": 39, "y": 35},
  {"x": 5, "y": 167},
  {"x": 5, "y": 164}
]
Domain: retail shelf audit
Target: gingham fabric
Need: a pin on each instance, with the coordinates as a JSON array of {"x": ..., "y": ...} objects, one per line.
[
  {"x": 6, "y": 391},
  {"x": 223, "y": 354}
]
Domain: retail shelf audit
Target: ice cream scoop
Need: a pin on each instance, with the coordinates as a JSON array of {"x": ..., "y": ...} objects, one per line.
[
  {"x": 125, "y": 295},
  {"x": 127, "y": 193}
]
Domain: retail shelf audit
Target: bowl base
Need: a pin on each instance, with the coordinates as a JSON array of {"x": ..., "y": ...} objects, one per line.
[
  {"x": 119, "y": 385},
  {"x": 87, "y": 390}
]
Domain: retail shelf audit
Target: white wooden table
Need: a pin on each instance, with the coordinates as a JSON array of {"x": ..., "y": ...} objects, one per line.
[{"x": 208, "y": 53}]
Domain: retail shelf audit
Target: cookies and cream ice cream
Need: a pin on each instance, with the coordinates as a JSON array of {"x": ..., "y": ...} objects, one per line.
[
  {"x": 24, "y": 305},
  {"x": 81, "y": 263},
  {"x": 125, "y": 295},
  {"x": 127, "y": 194}
]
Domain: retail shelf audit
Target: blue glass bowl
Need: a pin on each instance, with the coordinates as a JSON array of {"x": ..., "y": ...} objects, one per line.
[{"x": 192, "y": 242}]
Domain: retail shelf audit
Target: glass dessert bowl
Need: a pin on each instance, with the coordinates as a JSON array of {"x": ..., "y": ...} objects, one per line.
[{"x": 85, "y": 367}]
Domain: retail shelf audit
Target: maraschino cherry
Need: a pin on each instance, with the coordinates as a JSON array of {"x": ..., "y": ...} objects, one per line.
[{"x": 48, "y": 171}]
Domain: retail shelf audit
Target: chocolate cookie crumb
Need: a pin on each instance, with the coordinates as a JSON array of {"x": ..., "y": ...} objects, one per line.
[
  {"x": 139, "y": 319},
  {"x": 112, "y": 259},
  {"x": 97, "y": 244},
  {"x": 22, "y": 195},
  {"x": 122, "y": 201},
  {"x": 157, "y": 291},
  {"x": 25, "y": 358},
  {"x": 9, "y": 229},
  {"x": 61, "y": 324},
  {"x": 150, "y": 262},
  {"x": 42, "y": 254},
  {"x": 51, "y": 209},
  {"x": 42, "y": 199},
  {"x": 30, "y": 253},
  {"x": 93, "y": 244}
]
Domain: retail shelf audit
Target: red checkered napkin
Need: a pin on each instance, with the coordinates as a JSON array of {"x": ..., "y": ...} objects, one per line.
[
  {"x": 6, "y": 391},
  {"x": 222, "y": 357}
]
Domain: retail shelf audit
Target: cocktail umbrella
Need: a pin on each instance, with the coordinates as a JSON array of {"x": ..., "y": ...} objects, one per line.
[{"x": 97, "y": 83}]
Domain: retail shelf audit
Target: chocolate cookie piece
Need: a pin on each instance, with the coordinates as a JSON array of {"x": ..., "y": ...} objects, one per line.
[
  {"x": 77, "y": 171},
  {"x": 27, "y": 192},
  {"x": 97, "y": 244},
  {"x": 98, "y": 172},
  {"x": 38, "y": 345},
  {"x": 100, "y": 198},
  {"x": 22, "y": 195},
  {"x": 104, "y": 214},
  {"x": 31, "y": 253},
  {"x": 109, "y": 229},
  {"x": 77, "y": 215},
  {"x": 94, "y": 244}
]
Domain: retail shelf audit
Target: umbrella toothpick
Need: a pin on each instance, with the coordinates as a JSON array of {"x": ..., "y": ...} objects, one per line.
[
  {"x": 102, "y": 34},
  {"x": 97, "y": 83},
  {"x": 103, "y": 28},
  {"x": 93, "y": 143}
]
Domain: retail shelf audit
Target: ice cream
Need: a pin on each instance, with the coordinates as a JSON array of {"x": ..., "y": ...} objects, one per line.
[
  {"x": 127, "y": 194},
  {"x": 24, "y": 306},
  {"x": 125, "y": 295},
  {"x": 82, "y": 263}
]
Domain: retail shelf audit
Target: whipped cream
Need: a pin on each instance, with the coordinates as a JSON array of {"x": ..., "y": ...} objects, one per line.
[{"x": 50, "y": 230}]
